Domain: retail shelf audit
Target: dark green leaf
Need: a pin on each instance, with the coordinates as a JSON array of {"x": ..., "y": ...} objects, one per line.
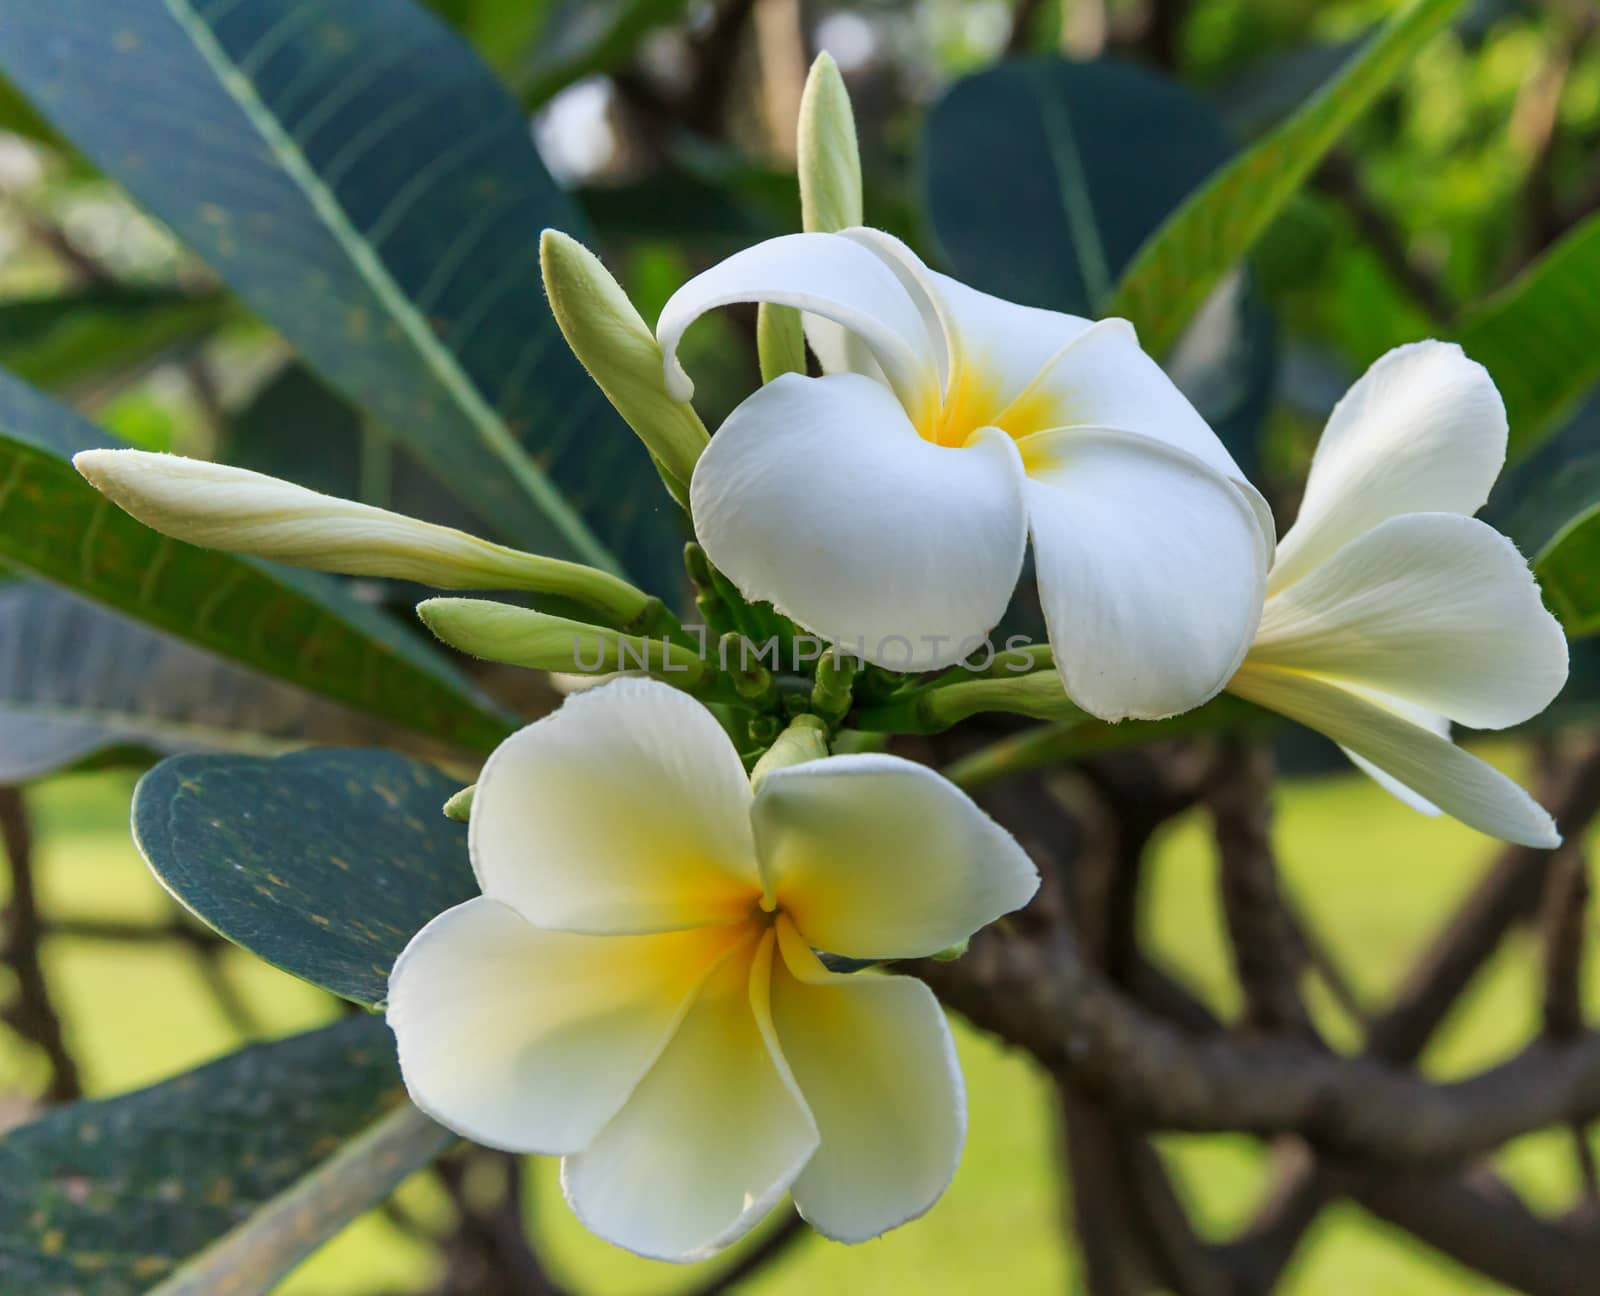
[
  {"x": 56, "y": 341},
  {"x": 324, "y": 863},
  {"x": 361, "y": 180},
  {"x": 1094, "y": 157},
  {"x": 297, "y": 428},
  {"x": 110, "y": 1197},
  {"x": 1537, "y": 336},
  {"x": 76, "y": 680},
  {"x": 1182, "y": 262},
  {"x": 292, "y": 625},
  {"x": 1563, "y": 540}
]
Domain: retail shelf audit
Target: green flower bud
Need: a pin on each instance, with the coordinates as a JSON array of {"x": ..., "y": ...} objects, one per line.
[
  {"x": 459, "y": 807},
  {"x": 832, "y": 694},
  {"x": 805, "y": 739},
  {"x": 780, "y": 341},
  {"x": 621, "y": 354},
  {"x": 829, "y": 157},
  {"x": 522, "y": 637}
]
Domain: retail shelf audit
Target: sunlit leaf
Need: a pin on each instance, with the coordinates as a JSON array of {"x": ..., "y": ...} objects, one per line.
[
  {"x": 1537, "y": 336},
  {"x": 1182, "y": 262},
  {"x": 63, "y": 339}
]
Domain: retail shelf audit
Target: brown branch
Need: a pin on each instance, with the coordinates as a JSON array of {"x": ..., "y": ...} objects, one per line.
[
  {"x": 1508, "y": 893},
  {"x": 32, "y": 1015},
  {"x": 1490, "y": 1230},
  {"x": 489, "y": 1254},
  {"x": 778, "y": 1240},
  {"x": 1268, "y": 955},
  {"x": 1040, "y": 996}
]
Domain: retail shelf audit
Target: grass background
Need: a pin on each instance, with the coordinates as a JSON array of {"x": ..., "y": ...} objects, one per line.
[{"x": 1376, "y": 877}]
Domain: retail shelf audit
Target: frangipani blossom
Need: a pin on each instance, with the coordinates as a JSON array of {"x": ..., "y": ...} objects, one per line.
[
  {"x": 888, "y": 504},
  {"x": 636, "y": 989},
  {"x": 1392, "y": 612}
]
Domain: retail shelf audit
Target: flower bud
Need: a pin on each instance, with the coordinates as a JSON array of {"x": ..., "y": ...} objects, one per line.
[
  {"x": 829, "y": 157},
  {"x": 523, "y": 637},
  {"x": 621, "y": 354},
  {"x": 805, "y": 739},
  {"x": 239, "y": 511},
  {"x": 780, "y": 341},
  {"x": 459, "y": 806}
]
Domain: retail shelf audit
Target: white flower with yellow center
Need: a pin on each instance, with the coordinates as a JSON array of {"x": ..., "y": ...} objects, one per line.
[
  {"x": 636, "y": 989},
  {"x": 888, "y": 504},
  {"x": 1392, "y": 612}
]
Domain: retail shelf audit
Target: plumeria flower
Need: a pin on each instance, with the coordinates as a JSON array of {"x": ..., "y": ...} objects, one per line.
[
  {"x": 888, "y": 504},
  {"x": 637, "y": 989},
  {"x": 1392, "y": 612}
]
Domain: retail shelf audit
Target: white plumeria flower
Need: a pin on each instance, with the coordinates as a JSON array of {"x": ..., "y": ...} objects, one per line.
[
  {"x": 1392, "y": 612},
  {"x": 636, "y": 988},
  {"x": 888, "y": 504}
]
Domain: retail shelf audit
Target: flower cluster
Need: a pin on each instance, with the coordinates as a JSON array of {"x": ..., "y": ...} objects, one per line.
[{"x": 647, "y": 985}]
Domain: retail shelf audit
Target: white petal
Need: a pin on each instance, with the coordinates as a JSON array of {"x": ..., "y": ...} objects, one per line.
[
  {"x": 1151, "y": 570},
  {"x": 1000, "y": 341},
  {"x": 1423, "y": 431},
  {"x": 1432, "y": 721},
  {"x": 874, "y": 1058},
  {"x": 531, "y": 1040},
  {"x": 712, "y": 1137},
  {"x": 1433, "y": 767},
  {"x": 818, "y": 495},
  {"x": 1432, "y": 608},
  {"x": 990, "y": 349},
  {"x": 878, "y": 857},
  {"x": 821, "y": 274},
  {"x": 625, "y": 811},
  {"x": 1102, "y": 378}
]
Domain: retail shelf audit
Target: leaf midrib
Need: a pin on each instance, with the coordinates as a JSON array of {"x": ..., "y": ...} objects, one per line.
[{"x": 439, "y": 359}]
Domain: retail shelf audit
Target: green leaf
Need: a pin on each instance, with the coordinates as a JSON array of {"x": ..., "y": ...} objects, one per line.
[
  {"x": 1537, "y": 336},
  {"x": 76, "y": 680},
  {"x": 1097, "y": 155},
  {"x": 1566, "y": 544},
  {"x": 56, "y": 341},
  {"x": 293, "y": 625},
  {"x": 112, "y": 1196},
  {"x": 360, "y": 180},
  {"x": 324, "y": 863},
  {"x": 1183, "y": 261}
]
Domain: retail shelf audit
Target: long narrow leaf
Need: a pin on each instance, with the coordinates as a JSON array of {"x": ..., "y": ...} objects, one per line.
[
  {"x": 1537, "y": 336},
  {"x": 1210, "y": 234}
]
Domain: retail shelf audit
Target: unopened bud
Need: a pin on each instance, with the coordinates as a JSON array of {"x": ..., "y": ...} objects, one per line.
[
  {"x": 523, "y": 637},
  {"x": 621, "y": 354},
  {"x": 233, "y": 509}
]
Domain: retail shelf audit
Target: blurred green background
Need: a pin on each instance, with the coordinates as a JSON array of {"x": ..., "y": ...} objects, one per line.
[{"x": 672, "y": 124}]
